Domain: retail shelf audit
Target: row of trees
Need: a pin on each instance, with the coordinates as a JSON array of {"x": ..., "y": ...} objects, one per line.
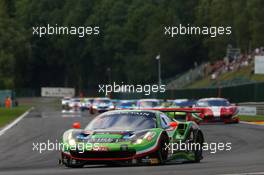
[{"x": 131, "y": 35}]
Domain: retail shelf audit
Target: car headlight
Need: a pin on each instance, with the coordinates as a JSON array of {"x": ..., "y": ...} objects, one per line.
[
  {"x": 72, "y": 142},
  {"x": 149, "y": 136},
  {"x": 138, "y": 141},
  {"x": 140, "y": 137},
  {"x": 68, "y": 137}
]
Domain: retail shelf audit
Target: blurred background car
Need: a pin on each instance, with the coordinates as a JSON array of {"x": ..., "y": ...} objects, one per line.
[
  {"x": 148, "y": 103},
  {"x": 115, "y": 101},
  {"x": 126, "y": 104},
  {"x": 183, "y": 103},
  {"x": 100, "y": 105},
  {"x": 75, "y": 104},
  {"x": 86, "y": 103},
  {"x": 65, "y": 103},
  {"x": 166, "y": 103}
]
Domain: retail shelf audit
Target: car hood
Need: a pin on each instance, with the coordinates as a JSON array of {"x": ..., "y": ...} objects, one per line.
[{"x": 105, "y": 135}]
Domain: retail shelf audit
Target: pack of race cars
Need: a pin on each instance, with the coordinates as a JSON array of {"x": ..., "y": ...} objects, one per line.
[
  {"x": 142, "y": 131},
  {"x": 207, "y": 109}
]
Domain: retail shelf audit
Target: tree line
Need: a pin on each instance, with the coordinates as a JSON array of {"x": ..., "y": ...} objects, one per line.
[{"x": 131, "y": 36}]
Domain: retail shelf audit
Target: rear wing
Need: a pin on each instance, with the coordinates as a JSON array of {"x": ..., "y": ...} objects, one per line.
[{"x": 187, "y": 114}]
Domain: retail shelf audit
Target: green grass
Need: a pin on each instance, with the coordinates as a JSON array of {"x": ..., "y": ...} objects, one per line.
[
  {"x": 245, "y": 72},
  {"x": 252, "y": 118},
  {"x": 8, "y": 115}
]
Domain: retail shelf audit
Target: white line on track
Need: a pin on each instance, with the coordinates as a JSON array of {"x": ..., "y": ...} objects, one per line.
[{"x": 14, "y": 122}]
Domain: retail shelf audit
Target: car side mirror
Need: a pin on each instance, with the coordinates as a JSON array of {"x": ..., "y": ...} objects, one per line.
[
  {"x": 76, "y": 125},
  {"x": 173, "y": 124}
]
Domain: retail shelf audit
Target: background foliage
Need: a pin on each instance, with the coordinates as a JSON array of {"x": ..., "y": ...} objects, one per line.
[{"x": 131, "y": 37}]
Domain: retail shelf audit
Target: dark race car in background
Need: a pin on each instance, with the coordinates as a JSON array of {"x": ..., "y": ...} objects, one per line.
[
  {"x": 86, "y": 103},
  {"x": 217, "y": 110}
]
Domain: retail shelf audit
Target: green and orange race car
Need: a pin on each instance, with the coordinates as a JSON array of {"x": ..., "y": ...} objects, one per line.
[{"x": 132, "y": 137}]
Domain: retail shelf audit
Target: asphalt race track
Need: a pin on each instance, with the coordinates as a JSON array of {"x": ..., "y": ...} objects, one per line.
[{"x": 46, "y": 122}]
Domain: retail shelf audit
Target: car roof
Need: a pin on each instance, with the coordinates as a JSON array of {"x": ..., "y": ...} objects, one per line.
[
  {"x": 213, "y": 98},
  {"x": 181, "y": 100},
  {"x": 148, "y": 100},
  {"x": 124, "y": 101}
]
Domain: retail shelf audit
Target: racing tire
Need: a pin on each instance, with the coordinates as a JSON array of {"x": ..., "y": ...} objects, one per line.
[
  {"x": 162, "y": 152},
  {"x": 198, "y": 139},
  {"x": 69, "y": 164}
]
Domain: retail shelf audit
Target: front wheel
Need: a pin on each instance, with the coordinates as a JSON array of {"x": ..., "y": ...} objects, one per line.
[
  {"x": 198, "y": 150},
  {"x": 162, "y": 152},
  {"x": 71, "y": 163}
]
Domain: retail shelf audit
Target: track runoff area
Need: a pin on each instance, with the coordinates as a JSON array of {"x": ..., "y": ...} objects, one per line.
[{"x": 46, "y": 123}]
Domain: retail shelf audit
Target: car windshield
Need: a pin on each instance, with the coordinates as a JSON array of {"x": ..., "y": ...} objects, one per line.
[
  {"x": 213, "y": 103},
  {"x": 149, "y": 104},
  {"x": 125, "y": 121}
]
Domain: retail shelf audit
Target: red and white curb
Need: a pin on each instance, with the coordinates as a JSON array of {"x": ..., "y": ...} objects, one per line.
[{"x": 7, "y": 127}]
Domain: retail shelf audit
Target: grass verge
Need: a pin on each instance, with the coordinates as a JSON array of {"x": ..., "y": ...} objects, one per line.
[
  {"x": 252, "y": 118},
  {"x": 8, "y": 115}
]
